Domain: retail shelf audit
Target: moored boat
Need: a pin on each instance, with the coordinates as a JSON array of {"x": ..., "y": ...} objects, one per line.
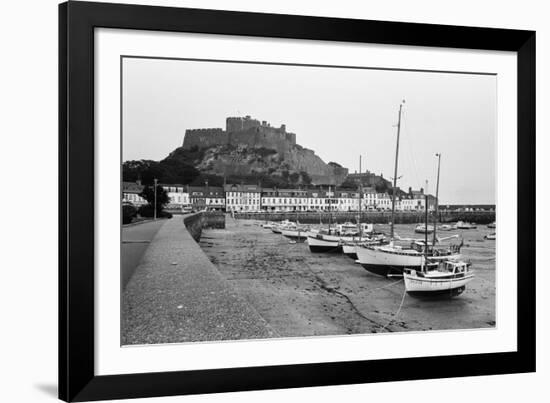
[
  {"x": 492, "y": 225},
  {"x": 423, "y": 229},
  {"x": 491, "y": 237},
  {"x": 296, "y": 233},
  {"x": 278, "y": 228},
  {"x": 448, "y": 277},
  {"x": 394, "y": 259},
  {"x": 349, "y": 247},
  {"x": 324, "y": 242},
  {"x": 349, "y": 250},
  {"x": 465, "y": 225}
]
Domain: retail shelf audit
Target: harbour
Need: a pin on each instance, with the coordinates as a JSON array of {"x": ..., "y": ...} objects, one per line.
[{"x": 300, "y": 293}]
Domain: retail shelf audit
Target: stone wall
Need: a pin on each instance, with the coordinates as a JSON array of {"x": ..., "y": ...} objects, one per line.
[
  {"x": 214, "y": 219},
  {"x": 204, "y": 138},
  {"x": 194, "y": 224},
  {"x": 207, "y": 219},
  {"x": 479, "y": 217},
  {"x": 248, "y": 131}
]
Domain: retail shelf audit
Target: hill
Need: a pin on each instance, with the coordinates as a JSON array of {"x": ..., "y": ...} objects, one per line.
[{"x": 247, "y": 151}]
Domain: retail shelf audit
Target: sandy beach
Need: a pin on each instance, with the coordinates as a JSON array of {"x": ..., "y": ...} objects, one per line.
[{"x": 304, "y": 294}]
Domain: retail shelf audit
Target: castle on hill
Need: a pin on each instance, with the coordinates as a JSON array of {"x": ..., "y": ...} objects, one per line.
[{"x": 242, "y": 130}]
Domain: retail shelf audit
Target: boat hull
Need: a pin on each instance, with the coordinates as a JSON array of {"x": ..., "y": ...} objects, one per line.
[
  {"x": 435, "y": 286},
  {"x": 349, "y": 250},
  {"x": 319, "y": 245},
  {"x": 295, "y": 235},
  {"x": 384, "y": 263}
]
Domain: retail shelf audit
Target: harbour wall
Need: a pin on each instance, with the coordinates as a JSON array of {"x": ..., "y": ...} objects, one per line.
[
  {"x": 194, "y": 224},
  {"x": 479, "y": 217},
  {"x": 177, "y": 295},
  {"x": 206, "y": 219}
]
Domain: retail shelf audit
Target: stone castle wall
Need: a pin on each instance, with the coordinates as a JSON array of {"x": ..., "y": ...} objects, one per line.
[
  {"x": 247, "y": 131},
  {"x": 203, "y": 138}
]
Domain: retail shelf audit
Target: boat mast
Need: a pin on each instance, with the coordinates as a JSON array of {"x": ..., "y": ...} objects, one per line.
[
  {"x": 438, "y": 155},
  {"x": 329, "y": 209},
  {"x": 395, "y": 170},
  {"x": 360, "y": 199},
  {"x": 426, "y": 227}
]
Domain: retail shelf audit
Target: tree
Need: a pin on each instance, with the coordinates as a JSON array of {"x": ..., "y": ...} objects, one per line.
[
  {"x": 306, "y": 179},
  {"x": 148, "y": 193},
  {"x": 128, "y": 213},
  {"x": 294, "y": 177}
]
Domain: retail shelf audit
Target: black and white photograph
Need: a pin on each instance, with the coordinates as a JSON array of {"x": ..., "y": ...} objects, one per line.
[{"x": 264, "y": 200}]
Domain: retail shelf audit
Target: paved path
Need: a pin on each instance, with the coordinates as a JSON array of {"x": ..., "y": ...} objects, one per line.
[
  {"x": 135, "y": 240},
  {"x": 177, "y": 295}
]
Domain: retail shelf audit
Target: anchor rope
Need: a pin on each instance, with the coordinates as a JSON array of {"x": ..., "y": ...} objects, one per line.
[{"x": 398, "y": 310}]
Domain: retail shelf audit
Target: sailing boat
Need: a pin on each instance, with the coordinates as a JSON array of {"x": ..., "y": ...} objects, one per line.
[
  {"x": 449, "y": 277},
  {"x": 435, "y": 278},
  {"x": 297, "y": 232},
  {"x": 364, "y": 231},
  {"x": 326, "y": 239},
  {"x": 393, "y": 259}
]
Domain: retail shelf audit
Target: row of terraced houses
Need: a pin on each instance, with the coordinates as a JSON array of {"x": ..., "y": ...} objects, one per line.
[{"x": 254, "y": 198}]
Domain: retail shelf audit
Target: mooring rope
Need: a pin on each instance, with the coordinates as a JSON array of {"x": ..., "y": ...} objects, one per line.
[{"x": 398, "y": 310}]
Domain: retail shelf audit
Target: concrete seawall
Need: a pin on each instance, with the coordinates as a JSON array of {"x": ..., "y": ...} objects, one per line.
[
  {"x": 480, "y": 217},
  {"x": 177, "y": 295}
]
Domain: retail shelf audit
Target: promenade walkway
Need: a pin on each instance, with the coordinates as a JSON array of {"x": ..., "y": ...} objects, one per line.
[
  {"x": 177, "y": 295},
  {"x": 135, "y": 240}
]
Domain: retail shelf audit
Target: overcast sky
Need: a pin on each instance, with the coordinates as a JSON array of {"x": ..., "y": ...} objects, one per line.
[{"x": 338, "y": 112}]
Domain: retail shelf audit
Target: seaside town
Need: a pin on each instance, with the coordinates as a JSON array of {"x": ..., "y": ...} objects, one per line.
[
  {"x": 296, "y": 247},
  {"x": 254, "y": 198}
]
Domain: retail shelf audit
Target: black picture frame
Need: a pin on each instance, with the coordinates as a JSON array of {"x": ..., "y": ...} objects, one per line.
[{"x": 77, "y": 21}]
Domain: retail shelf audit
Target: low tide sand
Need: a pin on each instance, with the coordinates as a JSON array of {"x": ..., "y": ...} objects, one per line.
[{"x": 300, "y": 293}]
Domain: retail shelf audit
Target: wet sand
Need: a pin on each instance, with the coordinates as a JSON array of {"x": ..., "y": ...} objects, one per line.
[{"x": 300, "y": 293}]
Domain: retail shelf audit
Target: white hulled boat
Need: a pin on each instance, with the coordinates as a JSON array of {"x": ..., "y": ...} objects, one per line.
[
  {"x": 278, "y": 228},
  {"x": 393, "y": 259},
  {"x": 297, "y": 233},
  {"x": 447, "y": 277},
  {"x": 349, "y": 247},
  {"x": 492, "y": 236},
  {"x": 465, "y": 225},
  {"x": 422, "y": 229},
  {"x": 332, "y": 240},
  {"x": 325, "y": 240}
]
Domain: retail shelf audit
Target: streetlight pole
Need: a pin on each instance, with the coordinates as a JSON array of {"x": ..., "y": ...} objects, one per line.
[{"x": 155, "y": 206}]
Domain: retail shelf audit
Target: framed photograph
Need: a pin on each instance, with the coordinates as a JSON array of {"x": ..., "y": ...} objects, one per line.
[{"x": 257, "y": 201}]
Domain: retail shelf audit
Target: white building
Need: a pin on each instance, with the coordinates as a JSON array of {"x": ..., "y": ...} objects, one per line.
[
  {"x": 284, "y": 200},
  {"x": 316, "y": 201},
  {"x": 214, "y": 198},
  {"x": 383, "y": 201},
  {"x": 369, "y": 198},
  {"x": 245, "y": 198},
  {"x": 178, "y": 196},
  {"x": 131, "y": 194},
  {"x": 408, "y": 204},
  {"x": 348, "y": 200}
]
